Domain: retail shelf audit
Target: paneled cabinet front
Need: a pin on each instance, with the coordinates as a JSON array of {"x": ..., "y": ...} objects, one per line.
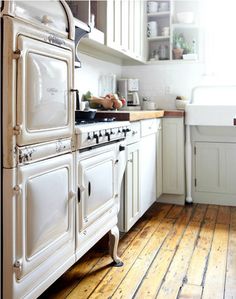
[
  {"x": 44, "y": 210},
  {"x": 96, "y": 187},
  {"x": 44, "y": 105},
  {"x": 132, "y": 187},
  {"x": 125, "y": 30},
  {"x": 215, "y": 167},
  {"x": 173, "y": 156}
]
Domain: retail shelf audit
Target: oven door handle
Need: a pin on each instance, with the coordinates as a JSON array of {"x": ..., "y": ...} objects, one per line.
[
  {"x": 79, "y": 191},
  {"x": 77, "y": 98},
  {"x": 89, "y": 188}
]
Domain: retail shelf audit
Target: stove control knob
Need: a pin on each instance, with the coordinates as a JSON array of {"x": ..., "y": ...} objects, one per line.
[
  {"x": 100, "y": 134},
  {"x": 89, "y": 138},
  {"x": 95, "y": 136},
  {"x": 112, "y": 133},
  {"x": 124, "y": 131},
  {"x": 119, "y": 131},
  {"x": 108, "y": 136},
  {"x": 128, "y": 130}
]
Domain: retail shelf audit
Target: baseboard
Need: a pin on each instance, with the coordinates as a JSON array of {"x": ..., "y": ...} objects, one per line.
[{"x": 175, "y": 199}]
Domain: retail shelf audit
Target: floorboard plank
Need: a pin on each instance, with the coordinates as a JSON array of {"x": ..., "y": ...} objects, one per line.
[
  {"x": 202, "y": 249},
  {"x": 105, "y": 279},
  {"x": 157, "y": 270},
  {"x": 215, "y": 274},
  {"x": 230, "y": 286},
  {"x": 175, "y": 275},
  {"x": 223, "y": 215},
  {"x": 171, "y": 252},
  {"x": 189, "y": 291},
  {"x": 142, "y": 263},
  {"x": 175, "y": 212},
  {"x": 199, "y": 213},
  {"x": 91, "y": 261}
]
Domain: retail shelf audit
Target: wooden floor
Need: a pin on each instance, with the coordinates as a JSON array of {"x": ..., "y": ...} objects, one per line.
[{"x": 172, "y": 252}]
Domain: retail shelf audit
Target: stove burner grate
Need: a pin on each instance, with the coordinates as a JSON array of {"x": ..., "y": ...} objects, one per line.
[{"x": 93, "y": 121}]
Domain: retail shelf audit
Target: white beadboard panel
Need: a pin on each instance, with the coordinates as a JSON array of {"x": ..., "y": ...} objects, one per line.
[
  {"x": 87, "y": 77},
  {"x": 163, "y": 82}
]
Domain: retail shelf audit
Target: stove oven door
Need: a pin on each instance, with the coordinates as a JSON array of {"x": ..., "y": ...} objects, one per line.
[
  {"x": 44, "y": 209},
  {"x": 44, "y": 100},
  {"x": 96, "y": 185}
]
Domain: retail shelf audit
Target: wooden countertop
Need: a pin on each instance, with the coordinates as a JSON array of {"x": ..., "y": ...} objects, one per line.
[{"x": 139, "y": 115}]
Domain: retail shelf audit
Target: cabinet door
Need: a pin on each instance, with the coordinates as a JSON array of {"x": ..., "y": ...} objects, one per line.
[
  {"x": 215, "y": 167},
  {"x": 44, "y": 212},
  {"x": 44, "y": 105},
  {"x": 114, "y": 24},
  {"x": 125, "y": 25},
  {"x": 138, "y": 20},
  {"x": 132, "y": 193},
  {"x": 173, "y": 156},
  {"x": 96, "y": 182},
  {"x": 147, "y": 171}
]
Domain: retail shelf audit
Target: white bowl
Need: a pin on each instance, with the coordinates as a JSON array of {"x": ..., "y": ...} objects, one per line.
[
  {"x": 180, "y": 104},
  {"x": 149, "y": 105},
  {"x": 185, "y": 17}
]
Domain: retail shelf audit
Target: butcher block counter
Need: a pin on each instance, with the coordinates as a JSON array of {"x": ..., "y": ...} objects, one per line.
[{"x": 139, "y": 115}]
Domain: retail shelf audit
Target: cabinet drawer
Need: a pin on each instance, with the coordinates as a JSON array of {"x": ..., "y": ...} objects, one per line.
[
  {"x": 134, "y": 134},
  {"x": 148, "y": 126}
]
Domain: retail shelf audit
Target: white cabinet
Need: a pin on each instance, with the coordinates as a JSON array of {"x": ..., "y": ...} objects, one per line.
[
  {"x": 120, "y": 21},
  {"x": 132, "y": 193},
  {"x": 113, "y": 24},
  {"x": 124, "y": 28},
  {"x": 148, "y": 164},
  {"x": 130, "y": 199},
  {"x": 215, "y": 167},
  {"x": 173, "y": 156},
  {"x": 173, "y": 30},
  {"x": 96, "y": 187}
]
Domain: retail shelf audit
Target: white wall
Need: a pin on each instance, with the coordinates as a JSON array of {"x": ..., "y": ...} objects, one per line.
[
  {"x": 87, "y": 77},
  {"x": 161, "y": 82}
]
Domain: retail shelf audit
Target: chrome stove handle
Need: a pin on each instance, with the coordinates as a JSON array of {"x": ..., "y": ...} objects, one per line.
[{"x": 77, "y": 107}]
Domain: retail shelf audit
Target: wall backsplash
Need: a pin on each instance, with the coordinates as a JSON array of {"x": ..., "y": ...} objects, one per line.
[
  {"x": 161, "y": 83},
  {"x": 87, "y": 77}
]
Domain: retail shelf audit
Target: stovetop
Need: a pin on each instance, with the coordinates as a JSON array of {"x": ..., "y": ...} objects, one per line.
[{"x": 94, "y": 121}]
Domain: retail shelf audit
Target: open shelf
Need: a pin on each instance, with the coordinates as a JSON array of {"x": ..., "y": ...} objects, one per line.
[
  {"x": 185, "y": 36},
  {"x": 159, "y": 14}
]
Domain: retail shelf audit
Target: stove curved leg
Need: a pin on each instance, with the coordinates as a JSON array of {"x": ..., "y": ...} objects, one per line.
[{"x": 113, "y": 246}]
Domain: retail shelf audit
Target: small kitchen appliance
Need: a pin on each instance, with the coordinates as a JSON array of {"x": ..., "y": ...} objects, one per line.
[{"x": 128, "y": 88}]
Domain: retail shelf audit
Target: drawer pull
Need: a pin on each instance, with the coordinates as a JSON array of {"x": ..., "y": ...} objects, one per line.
[
  {"x": 78, "y": 194},
  {"x": 89, "y": 189}
]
